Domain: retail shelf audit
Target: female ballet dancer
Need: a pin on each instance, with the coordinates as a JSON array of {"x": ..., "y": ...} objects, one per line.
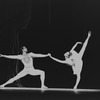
[{"x": 74, "y": 59}]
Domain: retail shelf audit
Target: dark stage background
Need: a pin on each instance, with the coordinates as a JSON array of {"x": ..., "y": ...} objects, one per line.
[{"x": 50, "y": 26}]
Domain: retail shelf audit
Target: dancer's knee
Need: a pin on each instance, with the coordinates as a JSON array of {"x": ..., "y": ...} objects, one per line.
[{"x": 42, "y": 73}]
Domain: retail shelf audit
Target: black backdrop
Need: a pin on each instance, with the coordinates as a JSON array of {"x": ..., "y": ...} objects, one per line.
[{"x": 50, "y": 27}]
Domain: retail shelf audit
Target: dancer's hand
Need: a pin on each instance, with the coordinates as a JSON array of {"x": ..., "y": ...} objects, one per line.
[
  {"x": 49, "y": 54},
  {"x": 89, "y": 33},
  {"x": 1, "y": 55}
]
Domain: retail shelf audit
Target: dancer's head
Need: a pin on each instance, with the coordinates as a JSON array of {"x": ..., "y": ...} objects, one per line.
[
  {"x": 67, "y": 54},
  {"x": 24, "y": 49}
]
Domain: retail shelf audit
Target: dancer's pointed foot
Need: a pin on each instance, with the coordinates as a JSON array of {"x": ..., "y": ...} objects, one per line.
[
  {"x": 43, "y": 88},
  {"x": 75, "y": 87}
]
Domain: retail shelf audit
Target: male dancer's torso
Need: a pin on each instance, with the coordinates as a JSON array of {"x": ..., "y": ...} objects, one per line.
[{"x": 27, "y": 60}]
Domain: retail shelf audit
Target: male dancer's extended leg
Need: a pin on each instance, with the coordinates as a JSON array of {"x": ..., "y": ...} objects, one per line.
[{"x": 19, "y": 75}]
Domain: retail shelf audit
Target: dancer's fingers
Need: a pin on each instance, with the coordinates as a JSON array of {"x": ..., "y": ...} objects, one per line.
[
  {"x": 89, "y": 33},
  {"x": 49, "y": 54},
  {"x": 1, "y": 55}
]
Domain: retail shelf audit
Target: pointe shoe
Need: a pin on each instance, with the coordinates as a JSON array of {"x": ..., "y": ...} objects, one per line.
[
  {"x": 76, "y": 91},
  {"x": 44, "y": 88},
  {"x": 75, "y": 88}
]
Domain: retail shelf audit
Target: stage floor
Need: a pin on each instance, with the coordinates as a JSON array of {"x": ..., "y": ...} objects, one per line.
[
  {"x": 30, "y": 93},
  {"x": 50, "y": 89}
]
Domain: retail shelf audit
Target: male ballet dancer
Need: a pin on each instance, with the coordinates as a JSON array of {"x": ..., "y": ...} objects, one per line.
[
  {"x": 74, "y": 59},
  {"x": 27, "y": 60}
]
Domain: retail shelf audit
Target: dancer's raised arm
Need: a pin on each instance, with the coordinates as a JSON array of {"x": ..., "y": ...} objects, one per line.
[
  {"x": 75, "y": 46},
  {"x": 11, "y": 56},
  {"x": 38, "y": 55}
]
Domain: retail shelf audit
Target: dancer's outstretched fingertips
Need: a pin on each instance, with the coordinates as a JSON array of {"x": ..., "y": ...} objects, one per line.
[
  {"x": 49, "y": 54},
  {"x": 89, "y": 33},
  {"x": 0, "y": 55}
]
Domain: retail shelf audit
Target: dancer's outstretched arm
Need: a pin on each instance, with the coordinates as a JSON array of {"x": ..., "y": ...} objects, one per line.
[
  {"x": 84, "y": 45},
  {"x": 60, "y": 61},
  {"x": 11, "y": 56},
  {"x": 39, "y": 55},
  {"x": 67, "y": 61},
  {"x": 75, "y": 46}
]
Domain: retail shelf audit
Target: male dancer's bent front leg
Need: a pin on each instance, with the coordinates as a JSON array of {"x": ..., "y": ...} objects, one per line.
[{"x": 42, "y": 76}]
